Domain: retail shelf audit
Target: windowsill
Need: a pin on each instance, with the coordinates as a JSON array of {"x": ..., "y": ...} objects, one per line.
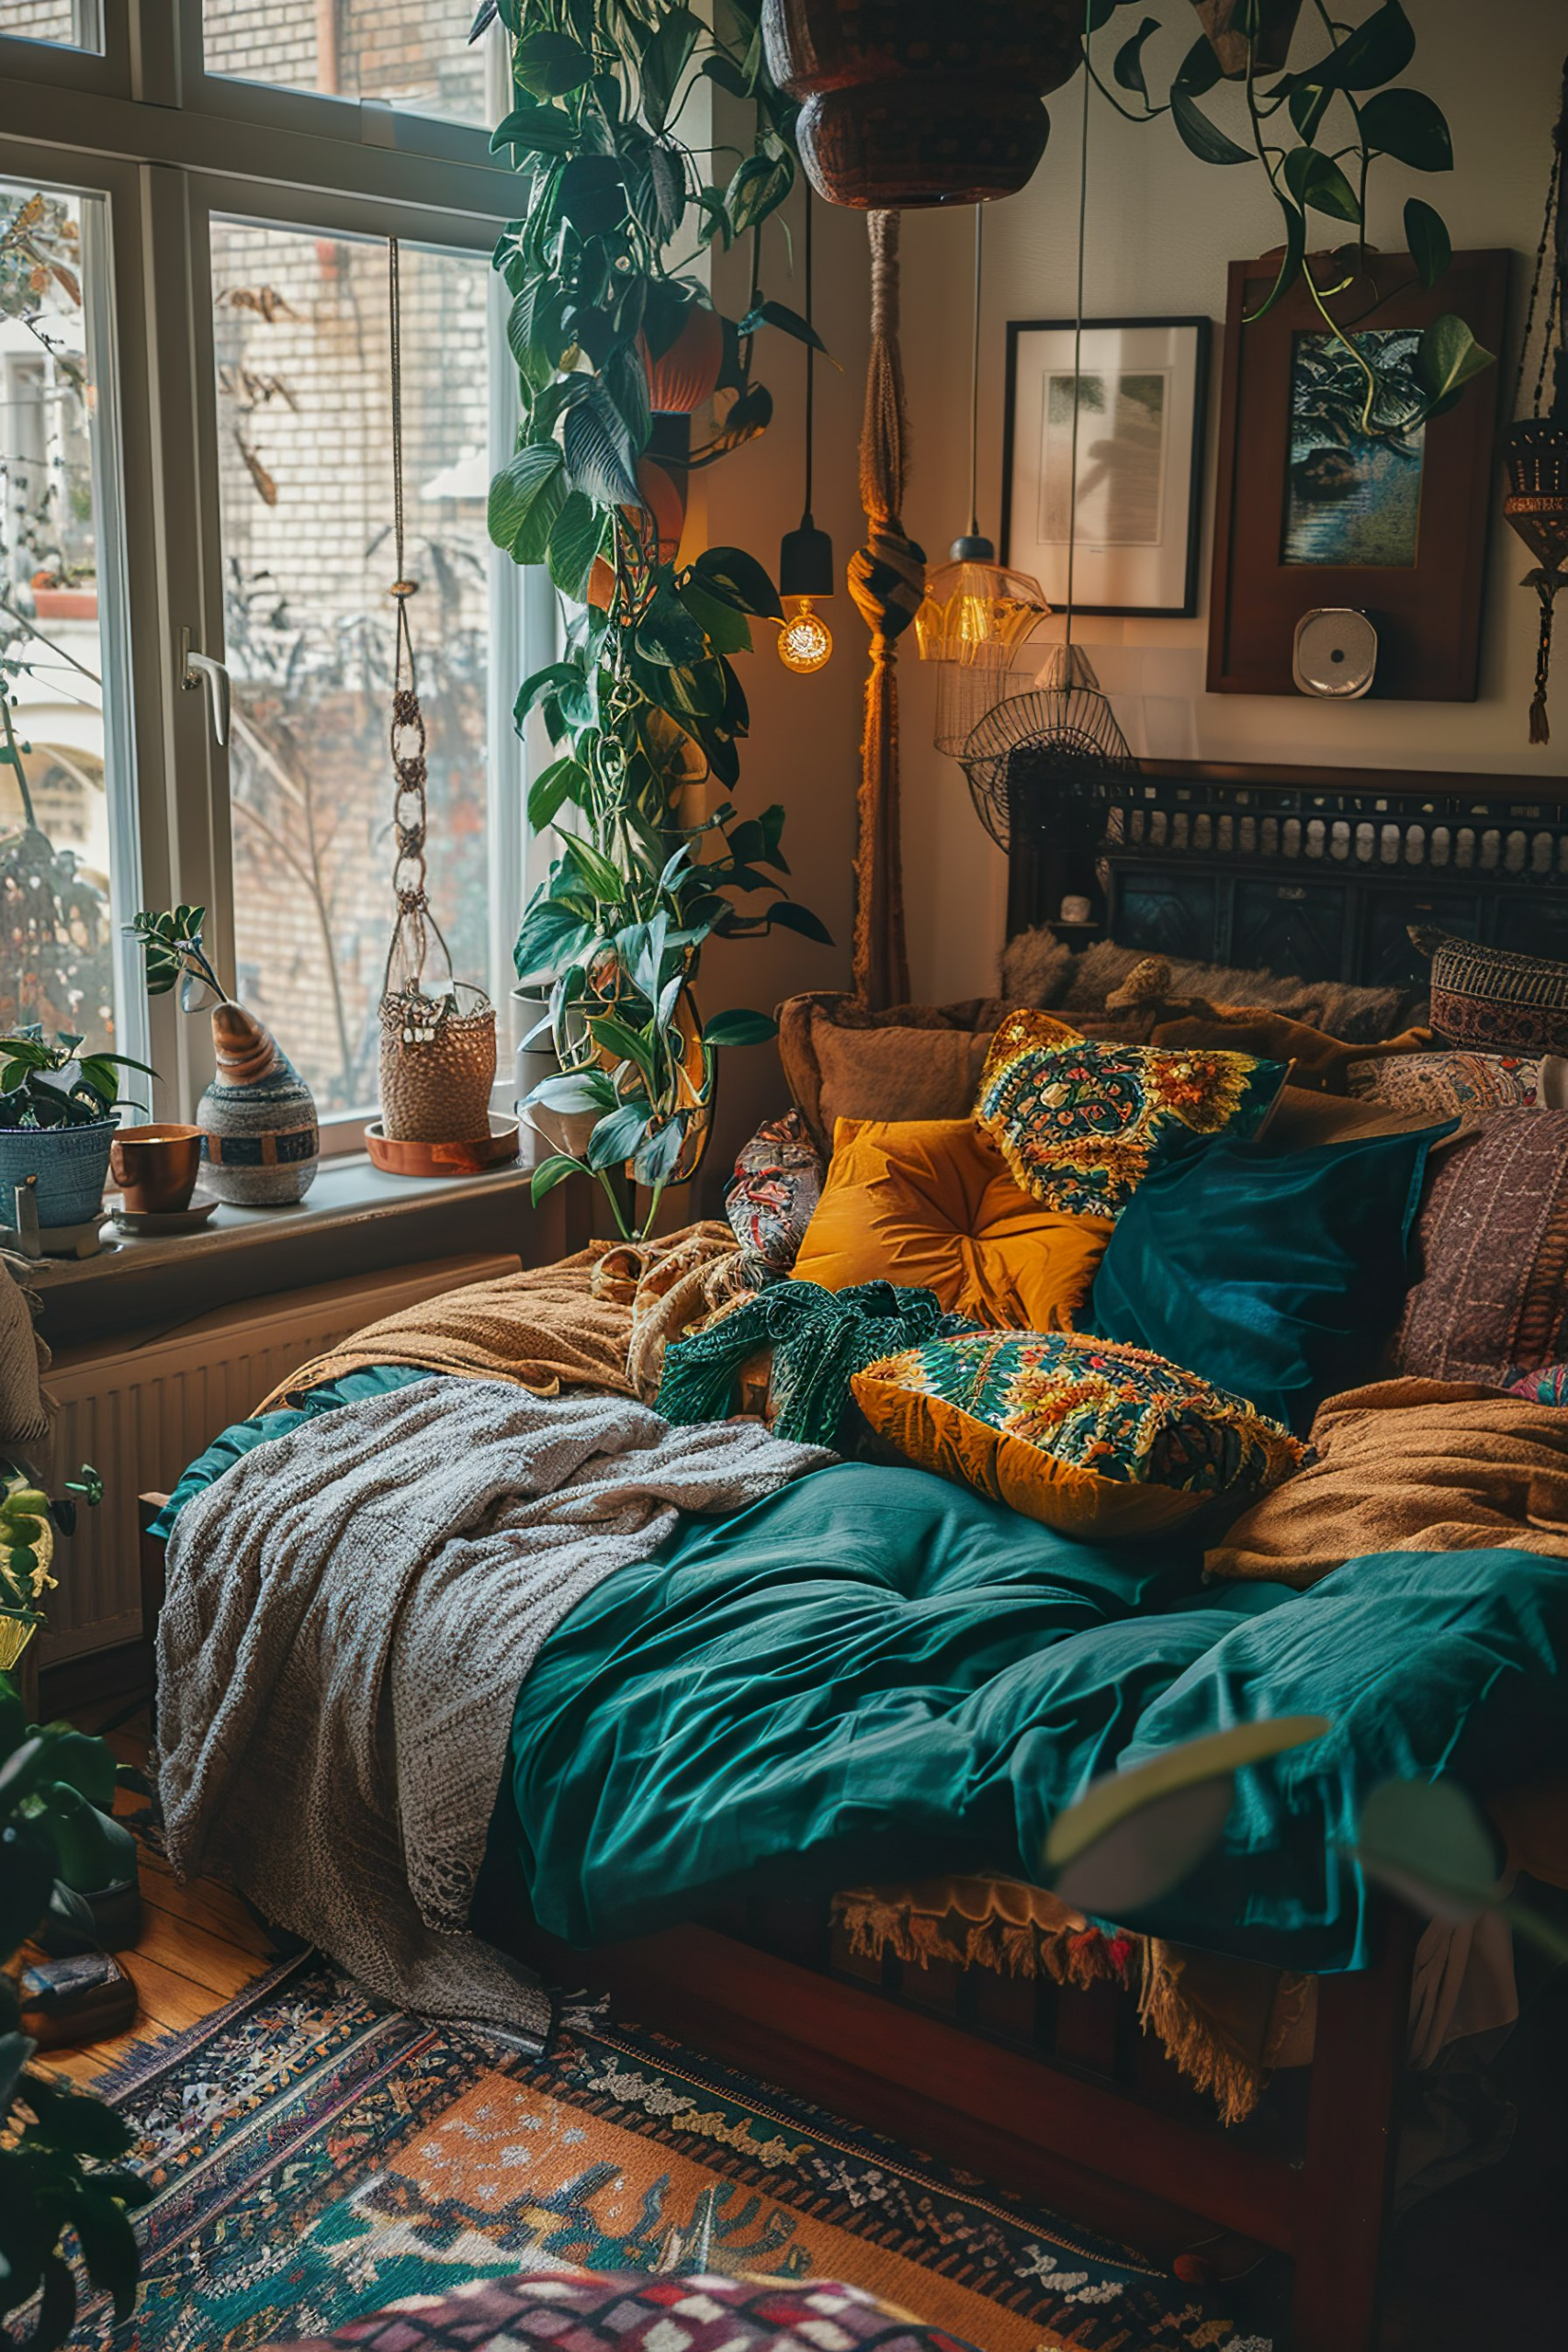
[
  {"x": 348, "y": 1191},
  {"x": 356, "y": 1219}
]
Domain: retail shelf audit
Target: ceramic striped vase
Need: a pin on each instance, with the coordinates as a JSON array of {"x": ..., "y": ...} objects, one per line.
[{"x": 260, "y": 1142}]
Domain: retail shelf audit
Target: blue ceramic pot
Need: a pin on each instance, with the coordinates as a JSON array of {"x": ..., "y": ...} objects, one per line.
[{"x": 71, "y": 1165}]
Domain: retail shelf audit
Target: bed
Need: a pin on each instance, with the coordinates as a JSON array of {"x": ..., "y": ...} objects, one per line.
[{"x": 1051, "y": 2087}]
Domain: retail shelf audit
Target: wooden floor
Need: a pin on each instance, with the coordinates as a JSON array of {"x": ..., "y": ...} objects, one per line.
[{"x": 199, "y": 1945}]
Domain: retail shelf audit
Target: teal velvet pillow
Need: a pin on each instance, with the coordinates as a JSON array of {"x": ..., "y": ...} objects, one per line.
[{"x": 1277, "y": 1275}]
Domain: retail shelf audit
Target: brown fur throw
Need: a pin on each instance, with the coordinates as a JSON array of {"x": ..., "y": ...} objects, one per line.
[
  {"x": 1354, "y": 1016},
  {"x": 1317, "y": 1059}
]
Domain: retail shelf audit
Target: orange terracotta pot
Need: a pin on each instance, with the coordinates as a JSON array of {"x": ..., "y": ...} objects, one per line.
[
  {"x": 665, "y": 499},
  {"x": 683, "y": 377}
]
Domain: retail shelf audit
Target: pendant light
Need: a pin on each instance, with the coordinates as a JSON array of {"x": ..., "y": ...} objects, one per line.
[
  {"x": 805, "y": 556},
  {"x": 976, "y": 611},
  {"x": 1028, "y": 753}
]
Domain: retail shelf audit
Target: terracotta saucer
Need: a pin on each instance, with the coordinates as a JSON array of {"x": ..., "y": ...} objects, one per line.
[{"x": 468, "y": 1159}]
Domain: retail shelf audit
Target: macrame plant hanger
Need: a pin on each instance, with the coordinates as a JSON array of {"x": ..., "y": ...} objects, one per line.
[
  {"x": 437, "y": 1061},
  {"x": 1537, "y": 449},
  {"x": 887, "y": 582},
  {"x": 1030, "y": 750}
]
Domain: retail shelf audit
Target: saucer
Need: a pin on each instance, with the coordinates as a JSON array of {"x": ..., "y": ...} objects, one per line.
[{"x": 189, "y": 1220}]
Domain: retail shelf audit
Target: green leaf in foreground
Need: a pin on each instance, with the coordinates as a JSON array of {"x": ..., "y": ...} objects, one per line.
[{"x": 1137, "y": 1834}]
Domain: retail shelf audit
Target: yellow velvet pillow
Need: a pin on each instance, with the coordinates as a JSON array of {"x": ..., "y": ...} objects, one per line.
[
  {"x": 930, "y": 1204},
  {"x": 1086, "y": 1435}
]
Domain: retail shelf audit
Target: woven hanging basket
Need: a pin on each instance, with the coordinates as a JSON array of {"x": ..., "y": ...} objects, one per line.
[{"x": 437, "y": 1066}]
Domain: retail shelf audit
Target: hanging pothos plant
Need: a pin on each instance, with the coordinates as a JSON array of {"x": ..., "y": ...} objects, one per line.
[
  {"x": 643, "y": 703},
  {"x": 1317, "y": 130}
]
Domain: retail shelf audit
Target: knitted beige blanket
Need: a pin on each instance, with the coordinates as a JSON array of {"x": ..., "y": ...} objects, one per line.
[{"x": 350, "y": 1611}]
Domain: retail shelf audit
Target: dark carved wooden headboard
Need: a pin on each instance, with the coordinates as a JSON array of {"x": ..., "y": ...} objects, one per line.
[{"x": 1316, "y": 871}]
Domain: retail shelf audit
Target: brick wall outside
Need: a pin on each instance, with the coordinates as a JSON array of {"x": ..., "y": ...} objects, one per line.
[
  {"x": 39, "y": 21},
  {"x": 414, "y": 53}
]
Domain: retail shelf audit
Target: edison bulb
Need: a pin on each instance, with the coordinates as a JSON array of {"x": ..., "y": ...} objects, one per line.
[{"x": 805, "y": 639}]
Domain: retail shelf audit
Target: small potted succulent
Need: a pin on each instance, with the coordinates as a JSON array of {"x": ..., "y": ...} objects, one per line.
[{"x": 57, "y": 1123}]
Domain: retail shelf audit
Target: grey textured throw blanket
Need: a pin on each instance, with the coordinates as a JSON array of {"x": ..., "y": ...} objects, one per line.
[{"x": 350, "y": 1611}]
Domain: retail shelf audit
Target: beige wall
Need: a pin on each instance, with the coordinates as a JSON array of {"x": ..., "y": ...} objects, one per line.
[
  {"x": 804, "y": 743},
  {"x": 1163, "y": 228}
]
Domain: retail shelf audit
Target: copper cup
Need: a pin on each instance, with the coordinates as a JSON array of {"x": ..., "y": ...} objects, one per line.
[{"x": 156, "y": 1168}]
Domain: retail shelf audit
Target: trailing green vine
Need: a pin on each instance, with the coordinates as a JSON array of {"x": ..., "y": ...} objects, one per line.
[
  {"x": 1292, "y": 124},
  {"x": 644, "y": 702}
]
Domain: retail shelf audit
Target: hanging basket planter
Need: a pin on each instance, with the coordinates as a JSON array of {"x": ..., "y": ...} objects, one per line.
[
  {"x": 912, "y": 102},
  {"x": 437, "y": 1066}
]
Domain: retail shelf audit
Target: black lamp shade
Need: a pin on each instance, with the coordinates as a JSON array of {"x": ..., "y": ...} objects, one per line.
[{"x": 805, "y": 561}]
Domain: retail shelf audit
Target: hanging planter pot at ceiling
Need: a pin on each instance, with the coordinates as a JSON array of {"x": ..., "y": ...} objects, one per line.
[
  {"x": 910, "y": 103},
  {"x": 1229, "y": 43}
]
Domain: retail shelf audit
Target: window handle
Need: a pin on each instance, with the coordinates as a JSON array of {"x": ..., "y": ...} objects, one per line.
[{"x": 201, "y": 669}]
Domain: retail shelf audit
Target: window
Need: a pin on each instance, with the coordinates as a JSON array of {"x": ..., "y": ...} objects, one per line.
[
  {"x": 66, "y": 24},
  {"x": 64, "y": 772},
  {"x": 228, "y": 526},
  {"x": 413, "y": 56},
  {"x": 305, "y": 456}
]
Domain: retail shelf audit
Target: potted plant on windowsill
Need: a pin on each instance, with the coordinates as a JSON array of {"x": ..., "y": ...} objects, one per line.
[
  {"x": 57, "y": 1123},
  {"x": 69, "y": 596}
]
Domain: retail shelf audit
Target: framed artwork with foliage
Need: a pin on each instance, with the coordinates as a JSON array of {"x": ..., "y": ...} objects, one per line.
[{"x": 1340, "y": 483}]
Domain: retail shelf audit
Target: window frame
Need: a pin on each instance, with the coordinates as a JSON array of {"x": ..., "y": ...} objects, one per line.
[
  {"x": 118, "y": 438},
  {"x": 103, "y": 67},
  {"x": 170, "y": 145}
]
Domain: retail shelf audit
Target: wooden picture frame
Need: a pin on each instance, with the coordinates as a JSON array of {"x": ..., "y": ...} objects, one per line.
[
  {"x": 1149, "y": 566},
  {"x": 1296, "y": 531}
]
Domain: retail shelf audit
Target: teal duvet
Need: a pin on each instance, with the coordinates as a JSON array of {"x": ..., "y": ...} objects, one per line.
[{"x": 875, "y": 1674}]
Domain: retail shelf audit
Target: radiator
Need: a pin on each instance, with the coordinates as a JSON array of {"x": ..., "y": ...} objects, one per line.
[{"x": 142, "y": 1406}]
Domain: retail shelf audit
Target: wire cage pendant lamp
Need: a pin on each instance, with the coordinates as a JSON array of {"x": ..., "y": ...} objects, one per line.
[
  {"x": 976, "y": 612},
  {"x": 1030, "y": 750}
]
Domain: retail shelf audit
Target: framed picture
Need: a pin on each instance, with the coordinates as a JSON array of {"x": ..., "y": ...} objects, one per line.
[
  {"x": 1313, "y": 514},
  {"x": 1142, "y": 386}
]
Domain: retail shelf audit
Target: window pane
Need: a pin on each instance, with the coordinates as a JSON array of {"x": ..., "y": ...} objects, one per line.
[
  {"x": 413, "y": 53},
  {"x": 306, "y": 477},
  {"x": 58, "y": 785},
  {"x": 68, "y": 24}
]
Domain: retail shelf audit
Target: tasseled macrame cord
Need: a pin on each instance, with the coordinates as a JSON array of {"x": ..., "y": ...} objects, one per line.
[{"x": 887, "y": 581}]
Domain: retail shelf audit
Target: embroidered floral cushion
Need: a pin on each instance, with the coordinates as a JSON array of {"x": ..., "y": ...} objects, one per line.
[
  {"x": 1086, "y": 1435},
  {"x": 1547, "y": 1387},
  {"x": 1446, "y": 1086},
  {"x": 1082, "y": 1123},
  {"x": 770, "y": 1199}
]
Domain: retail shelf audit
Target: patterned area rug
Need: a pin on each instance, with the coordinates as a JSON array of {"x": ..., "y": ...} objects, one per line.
[{"x": 315, "y": 2154}]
